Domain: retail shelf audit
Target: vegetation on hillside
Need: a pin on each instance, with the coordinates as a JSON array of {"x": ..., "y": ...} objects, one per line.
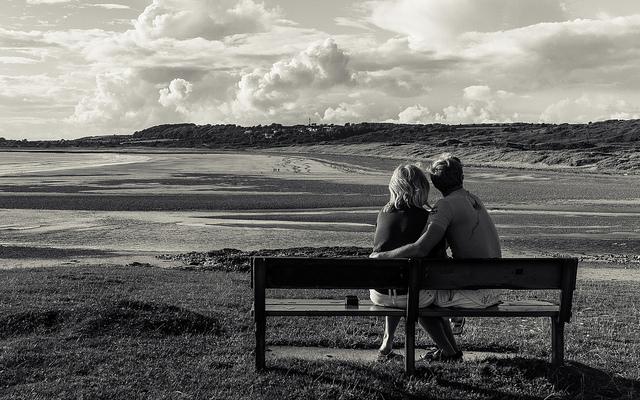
[
  {"x": 608, "y": 146},
  {"x": 516, "y": 135}
]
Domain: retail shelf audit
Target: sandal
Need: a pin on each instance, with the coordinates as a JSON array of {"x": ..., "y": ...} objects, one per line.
[
  {"x": 458, "y": 326},
  {"x": 438, "y": 355},
  {"x": 430, "y": 355},
  {"x": 390, "y": 356}
]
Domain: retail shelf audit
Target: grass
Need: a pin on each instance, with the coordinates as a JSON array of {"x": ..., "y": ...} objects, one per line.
[{"x": 135, "y": 332}]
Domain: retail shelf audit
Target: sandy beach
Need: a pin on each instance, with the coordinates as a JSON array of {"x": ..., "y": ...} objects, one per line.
[{"x": 119, "y": 208}]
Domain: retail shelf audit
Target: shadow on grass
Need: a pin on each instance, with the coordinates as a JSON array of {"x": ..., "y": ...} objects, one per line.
[
  {"x": 124, "y": 318},
  {"x": 571, "y": 381},
  {"x": 514, "y": 378},
  {"x": 580, "y": 378},
  {"x": 335, "y": 378}
]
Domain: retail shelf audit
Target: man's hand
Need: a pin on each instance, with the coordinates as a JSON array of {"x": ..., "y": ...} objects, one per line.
[{"x": 374, "y": 255}]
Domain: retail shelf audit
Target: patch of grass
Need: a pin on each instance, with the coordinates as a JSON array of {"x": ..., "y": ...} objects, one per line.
[{"x": 146, "y": 333}]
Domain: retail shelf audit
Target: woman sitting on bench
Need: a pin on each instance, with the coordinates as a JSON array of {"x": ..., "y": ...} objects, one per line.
[{"x": 400, "y": 222}]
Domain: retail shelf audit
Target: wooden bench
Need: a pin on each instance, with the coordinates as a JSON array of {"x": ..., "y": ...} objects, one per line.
[{"x": 557, "y": 274}]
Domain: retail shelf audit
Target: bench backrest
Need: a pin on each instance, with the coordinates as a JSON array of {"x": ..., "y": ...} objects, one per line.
[
  {"x": 332, "y": 273},
  {"x": 354, "y": 273},
  {"x": 504, "y": 273}
]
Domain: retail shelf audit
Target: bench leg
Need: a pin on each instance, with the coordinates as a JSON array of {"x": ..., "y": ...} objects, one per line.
[
  {"x": 410, "y": 348},
  {"x": 261, "y": 327},
  {"x": 557, "y": 342}
]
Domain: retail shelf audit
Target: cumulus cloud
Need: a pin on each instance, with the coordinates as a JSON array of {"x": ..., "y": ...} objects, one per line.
[
  {"x": 387, "y": 82},
  {"x": 479, "y": 104},
  {"x": 177, "y": 95},
  {"x": 588, "y": 108},
  {"x": 321, "y": 66},
  {"x": 561, "y": 52},
  {"x": 17, "y": 60},
  {"x": 535, "y": 54},
  {"x": 320, "y": 78},
  {"x": 172, "y": 66},
  {"x": 193, "y": 59},
  {"x": 345, "y": 112},
  {"x": 38, "y": 94},
  {"x": 110, "y": 6},
  {"x": 21, "y": 39},
  {"x": 127, "y": 100},
  {"x": 318, "y": 81},
  {"x": 522, "y": 45},
  {"x": 48, "y": 1},
  {"x": 436, "y": 22},
  {"x": 415, "y": 115},
  {"x": 477, "y": 93},
  {"x": 118, "y": 98},
  {"x": 211, "y": 20}
]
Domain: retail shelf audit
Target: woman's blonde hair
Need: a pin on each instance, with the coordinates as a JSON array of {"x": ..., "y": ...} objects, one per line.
[{"x": 408, "y": 187}]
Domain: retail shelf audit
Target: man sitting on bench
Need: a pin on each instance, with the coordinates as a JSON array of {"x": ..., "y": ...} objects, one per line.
[{"x": 462, "y": 219}]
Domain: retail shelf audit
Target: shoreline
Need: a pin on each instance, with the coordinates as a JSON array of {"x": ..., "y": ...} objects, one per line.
[
  {"x": 112, "y": 159},
  {"x": 473, "y": 156},
  {"x": 183, "y": 190}
]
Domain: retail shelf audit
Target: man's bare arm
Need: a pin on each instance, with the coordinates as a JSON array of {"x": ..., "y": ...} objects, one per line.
[{"x": 421, "y": 248}]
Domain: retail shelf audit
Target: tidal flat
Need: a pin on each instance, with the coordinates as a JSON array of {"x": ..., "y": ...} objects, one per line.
[{"x": 108, "y": 207}]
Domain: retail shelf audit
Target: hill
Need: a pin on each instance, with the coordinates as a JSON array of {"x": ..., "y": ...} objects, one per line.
[{"x": 608, "y": 146}]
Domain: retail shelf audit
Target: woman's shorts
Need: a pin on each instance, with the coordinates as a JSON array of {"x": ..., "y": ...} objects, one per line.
[
  {"x": 467, "y": 298},
  {"x": 379, "y": 299}
]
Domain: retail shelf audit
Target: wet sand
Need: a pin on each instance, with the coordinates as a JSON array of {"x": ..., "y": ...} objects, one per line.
[{"x": 156, "y": 203}]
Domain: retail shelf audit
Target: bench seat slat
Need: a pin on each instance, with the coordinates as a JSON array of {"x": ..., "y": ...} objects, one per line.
[
  {"x": 329, "y": 307},
  {"x": 523, "y": 308}
]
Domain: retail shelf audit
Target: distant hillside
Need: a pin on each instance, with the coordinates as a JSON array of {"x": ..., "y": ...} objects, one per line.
[
  {"x": 613, "y": 145},
  {"x": 520, "y": 136}
]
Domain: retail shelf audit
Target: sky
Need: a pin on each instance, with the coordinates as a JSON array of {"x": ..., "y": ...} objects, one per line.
[{"x": 77, "y": 68}]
